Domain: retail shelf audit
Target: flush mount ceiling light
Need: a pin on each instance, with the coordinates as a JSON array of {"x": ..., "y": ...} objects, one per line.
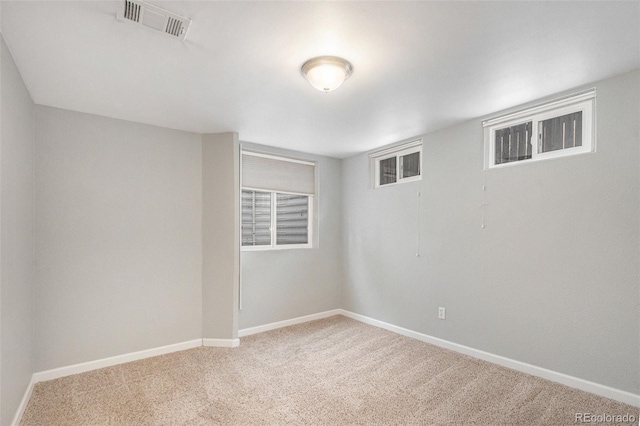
[{"x": 327, "y": 73}]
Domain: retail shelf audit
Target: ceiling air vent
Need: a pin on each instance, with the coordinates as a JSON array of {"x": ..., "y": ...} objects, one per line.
[{"x": 154, "y": 17}]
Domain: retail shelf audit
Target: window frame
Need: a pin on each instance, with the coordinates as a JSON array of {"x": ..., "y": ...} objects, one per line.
[
  {"x": 397, "y": 152},
  {"x": 265, "y": 185},
  {"x": 274, "y": 227},
  {"x": 581, "y": 102}
]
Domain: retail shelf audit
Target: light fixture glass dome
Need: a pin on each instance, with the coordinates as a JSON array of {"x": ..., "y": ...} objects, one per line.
[{"x": 326, "y": 73}]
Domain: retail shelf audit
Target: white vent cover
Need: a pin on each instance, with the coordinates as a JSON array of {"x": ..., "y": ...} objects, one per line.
[{"x": 154, "y": 17}]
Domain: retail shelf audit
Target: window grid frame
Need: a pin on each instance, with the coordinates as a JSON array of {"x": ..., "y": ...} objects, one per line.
[
  {"x": 274, "y": 228},
  {"x": 582, "y": 102},
  {"x": 397, "y": 152},
  {"x": 253, "y": 223}
]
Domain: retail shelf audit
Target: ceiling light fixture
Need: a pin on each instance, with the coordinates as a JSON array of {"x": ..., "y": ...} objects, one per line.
[{"x": 326, "y": 73}]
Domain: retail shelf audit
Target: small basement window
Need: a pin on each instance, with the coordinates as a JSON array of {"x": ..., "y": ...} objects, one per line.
[
  {"x": 398, "y": 164},
  {"x": 555, "y": 129}
]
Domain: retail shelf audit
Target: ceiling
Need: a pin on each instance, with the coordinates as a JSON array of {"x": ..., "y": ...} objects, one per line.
[{"x": 418, "y": 66}]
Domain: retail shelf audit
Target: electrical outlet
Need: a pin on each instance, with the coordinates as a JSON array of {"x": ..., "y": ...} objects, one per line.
[{"x": 441, "y": 313}]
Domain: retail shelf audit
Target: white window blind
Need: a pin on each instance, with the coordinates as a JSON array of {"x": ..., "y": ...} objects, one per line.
[{"x": 262, "y": 171}]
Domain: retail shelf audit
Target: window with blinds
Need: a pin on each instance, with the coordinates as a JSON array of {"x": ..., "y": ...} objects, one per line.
[
  {"x": 399, "y": 164},
  {"x": 555, "y": 129},
  {"x": 256, "y": 218},
  {"x": 292, "y": 219},
  {"x": 277, "y": 202}
]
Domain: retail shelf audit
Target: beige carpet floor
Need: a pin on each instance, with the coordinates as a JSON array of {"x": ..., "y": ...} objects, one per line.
[{"x": 335, "y": 371}]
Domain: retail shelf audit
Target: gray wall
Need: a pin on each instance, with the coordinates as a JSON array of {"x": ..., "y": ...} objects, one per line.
[
  {"x": 220, "y": 231},
  {"x": 283, "y": 284},
  {"x": 16, "y": 240},
  {"x": 118, "y": 237},
  {"x": 553, "y": 279}
]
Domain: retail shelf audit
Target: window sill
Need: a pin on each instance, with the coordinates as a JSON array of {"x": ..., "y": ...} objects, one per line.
[{"x": 276, "y": 248}]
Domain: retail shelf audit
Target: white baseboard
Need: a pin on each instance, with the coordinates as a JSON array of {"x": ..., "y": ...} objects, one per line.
[
  {"x": 574, "y": 382},
  {"x": 286, "y": 323},
  {"x": 221, "y": 343},
  {"x": 56, "y": 373},
  {"x": 114, "y": 360},
  {"x": 565, "y": 379},
  {"x": 23, "y": 403}
]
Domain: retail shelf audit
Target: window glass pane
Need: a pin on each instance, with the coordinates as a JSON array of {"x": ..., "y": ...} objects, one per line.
[
  {"x": 513, "y": 143},
  {"x": 411, "y": 165},
  {"x": 561, "y": 132},
  {"x": 256, "y": 218},
  {"x": 292, "y": 219},
  {"x": 388, "y": 171}
]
